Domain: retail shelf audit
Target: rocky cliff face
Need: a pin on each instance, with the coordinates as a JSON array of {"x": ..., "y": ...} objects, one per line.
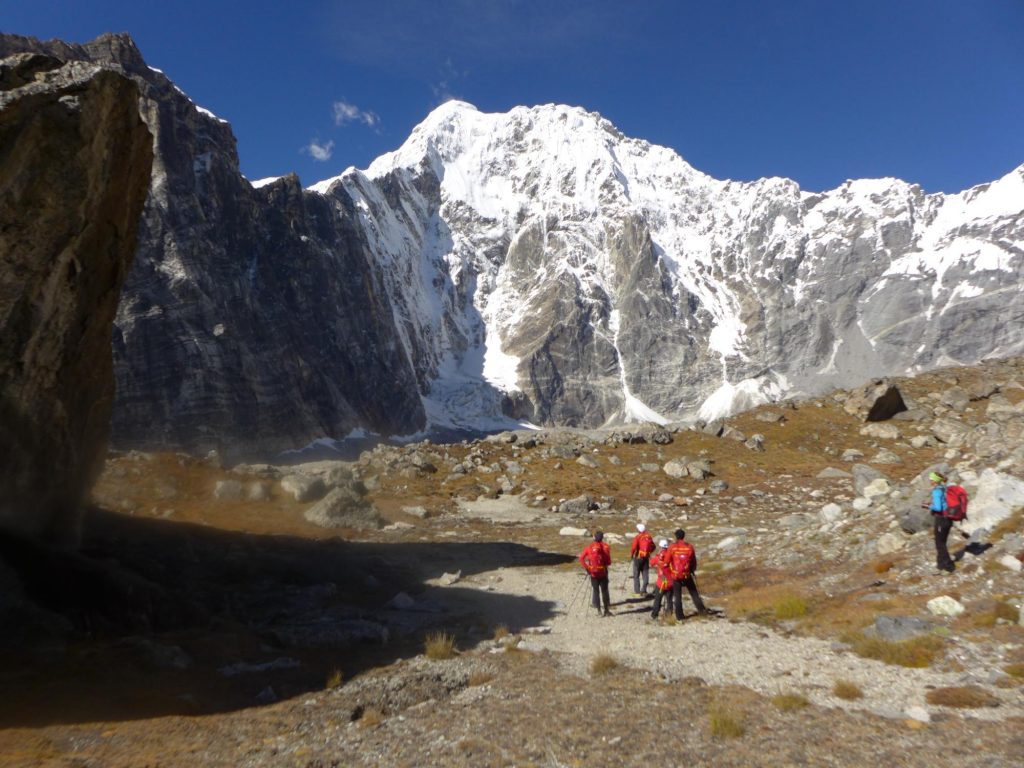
[
  {"x": 74, "y": 171},
  {"x": 252, "y": 317},
  {"x": 536, "y": 266}
]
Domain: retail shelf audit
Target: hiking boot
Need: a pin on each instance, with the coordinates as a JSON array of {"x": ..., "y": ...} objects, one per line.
[{"x": 606, "y": 613}]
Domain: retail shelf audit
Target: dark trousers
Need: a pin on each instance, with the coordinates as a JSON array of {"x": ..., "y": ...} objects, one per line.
[
  {"x": 641, "y": 565},
  {"x": 677, "y": 595},
  {"x": 943, "y": 561},
  {"x": 602, "y": 585},
  {"x": 658, "y": 595}
]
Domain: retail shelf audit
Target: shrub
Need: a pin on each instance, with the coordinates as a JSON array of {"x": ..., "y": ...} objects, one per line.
[
  {"x": 845, "y": 689},
  {"x": 603, "y": 663},
  {"x": 962, "y": 697},
  {"x": 371, "y": 717},
  {"x": 790, "y": 701},
  {"x": 916, "y": 652},
  {"x": 480, "y": 678},
  {"x": 725, "y": 723},
  {"x": 440, "y": 645},
  {"x": 334, "y": 679}
]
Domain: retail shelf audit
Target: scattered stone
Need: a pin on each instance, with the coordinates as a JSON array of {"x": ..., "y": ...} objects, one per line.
[
  {"x": 732, "y": 433},
  {"x": 699, "y": 470},
  {"x": 587, "y": 461},
  {"x": 420, "y": 512},
  {"x": 956, "y": 398},
  {"x": 896, "y": 629},
  {"x": 571, "y": 531},
  {"x": 881, "y": 431},
  {"x": 676, "y": 468},
  {"x": 258, "y": 492},
  {"x": 267, "y": 696},
  {"x": 945, "y": 606},
  {"x": 885, "y": 456},
  {"x": 666, "y": 498},
  {"x": 1011, "y": 562},
  {"x": 227, "y": 490},
  {"x": 863, "y": 475},
  {"x": 731, "y": 542},
  {"x": 303, "y": 488},
  {"x": 877, "y": 487},
  {"x": 613, "y": 459},
  {"x": 860, "y": 504},
  {"x": 830, "y": 513},
  {"x": 714, "y": 428},
  {"x": 717, "y": 486},
  {"x": 771, "y": 417},
  {"x": 994, "y": 499},
  {"x": 343, "y": 508},
  {"x": 950, "y": 431},
  {"x": 918, "y": 714},
  {"x": 852, "y": 454},
  {"x": 447, "y": 579},
  {"x": 831, "y": 473},
  {"x": 577, "y": 506},
  {"x": 889, "y": 542},
  {"x": 649, "y": 467},
  {"x": 401, "y": 602},
  {"x": 755, "y": 443},
  {"x": 923, "y": 441}
]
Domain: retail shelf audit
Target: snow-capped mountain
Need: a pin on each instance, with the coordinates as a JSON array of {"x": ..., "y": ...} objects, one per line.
[
  {"x": 595, "y": 278},
  {"x": 535, "y": 266}
]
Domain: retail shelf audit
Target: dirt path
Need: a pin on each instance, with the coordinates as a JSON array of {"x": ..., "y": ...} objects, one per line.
[{"x": 717, "y": 650}]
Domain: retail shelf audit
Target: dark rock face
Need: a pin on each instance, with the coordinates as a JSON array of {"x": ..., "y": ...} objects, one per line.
[
  {"x": 252, "y": 316},
  {"x": 75, "y": 161}
]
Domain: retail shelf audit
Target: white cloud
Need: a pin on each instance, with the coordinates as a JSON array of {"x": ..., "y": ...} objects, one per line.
[
  {"x": 345, "y": 113},
  {"x": 319, "y": 152}
]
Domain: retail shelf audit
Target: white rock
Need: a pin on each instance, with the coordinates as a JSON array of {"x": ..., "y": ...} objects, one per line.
[
  {"x": 830, "y": 513},
  {"x": 401, "y": 601},
  {"x": 889, "y": 542},
  {"x": 731, "y": 542},
  {"x": 920, "y": 714},
  {"x": 997, "y": 495},
  {"x": 1011, "y": 562},
  {"x": 570, "y": 531},
  {"x": 880, "y": 430},
  {"x": 945, "y": 606},
  {"x": 860, "y": 503},
  {"x": 877, "y": 487}
]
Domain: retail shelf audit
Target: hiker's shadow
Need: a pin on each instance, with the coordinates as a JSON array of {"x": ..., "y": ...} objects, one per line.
[{"x": 976, "y": 548}]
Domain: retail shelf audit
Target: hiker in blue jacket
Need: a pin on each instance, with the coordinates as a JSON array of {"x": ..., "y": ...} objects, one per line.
[{"x": 942, "y": 524}]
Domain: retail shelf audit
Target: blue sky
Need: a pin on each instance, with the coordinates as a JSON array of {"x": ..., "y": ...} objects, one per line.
[{"x": 815, "y": 90}]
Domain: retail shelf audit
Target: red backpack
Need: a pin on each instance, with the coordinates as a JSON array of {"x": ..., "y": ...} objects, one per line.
[
  {"x": 593, "y": 561},
  {"x": 956, "y": 503},
  {"x": 680, "y": 554}
]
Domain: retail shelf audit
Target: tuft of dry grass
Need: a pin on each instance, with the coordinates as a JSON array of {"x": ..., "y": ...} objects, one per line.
[
  {"x": 725, "y": 722},
  {"x": 962, "y": 697},
  {"x": 789, "y": 607},
  {"x": 500, "y": 632},
  {"x": 917, "y": 652},
  {"x": 882, "y": 566},
  {"x": 440, "y": 645},
  {"x": 480, "y": 677},
  {"x": 334, "y": 679},
  {"x": 1012, "y": 524},
  {"x": 603, "y": 663},
  {"x": 1014, "y": 670},
  {"x": 846, "y": 689},
  {"x": 371, "y": 718},
  {"x": 787, "y": 702}
]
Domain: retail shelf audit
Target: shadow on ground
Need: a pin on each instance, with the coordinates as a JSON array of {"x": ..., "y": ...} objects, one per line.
[{"x": 153, "y": 617}]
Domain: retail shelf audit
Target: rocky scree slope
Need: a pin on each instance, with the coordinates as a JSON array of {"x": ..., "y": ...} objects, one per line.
[
  {"x": 534, "y": 266},
  {"x": 74, "y": 169}
]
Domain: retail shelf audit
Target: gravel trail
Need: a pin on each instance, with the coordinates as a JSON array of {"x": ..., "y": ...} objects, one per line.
[{"x": 721, "y": 651}]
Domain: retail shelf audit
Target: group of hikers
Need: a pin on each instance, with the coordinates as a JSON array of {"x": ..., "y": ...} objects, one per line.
[{"x": 674, "y": 564}]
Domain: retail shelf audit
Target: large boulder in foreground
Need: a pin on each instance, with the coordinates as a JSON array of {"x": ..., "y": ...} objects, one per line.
[{"x": 75, "y": 161}]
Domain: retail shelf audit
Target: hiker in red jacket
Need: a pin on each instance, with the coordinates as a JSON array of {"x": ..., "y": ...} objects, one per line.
[
  {"x": 595, "y": 559},
  {"x": 683, "y": 563},
  {"x": 664, "y": 580},
  {"x": 640, "y": 554}
]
